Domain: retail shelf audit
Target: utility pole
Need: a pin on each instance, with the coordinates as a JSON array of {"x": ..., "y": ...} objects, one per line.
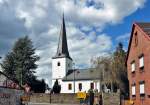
[
  {"x": 74, "y": 76},
  {"x": 103, "y": 80}
]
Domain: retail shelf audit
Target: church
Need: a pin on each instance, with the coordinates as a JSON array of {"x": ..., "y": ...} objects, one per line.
[{"x": 71, "y": 80}]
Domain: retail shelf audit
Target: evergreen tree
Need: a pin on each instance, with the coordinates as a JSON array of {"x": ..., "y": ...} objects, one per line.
[
  {"x": 56, "y": 87},
  {"x": 9, "y": 65},
  {"x": 22, "y": 59},
  {"x": 38, "y": 86},
  {"x": 120, "y": 69}
]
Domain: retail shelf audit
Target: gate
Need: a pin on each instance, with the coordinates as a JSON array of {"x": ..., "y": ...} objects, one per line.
[
  {"x": 126, "y": 101},
  {"x": 90, "y": 98}
]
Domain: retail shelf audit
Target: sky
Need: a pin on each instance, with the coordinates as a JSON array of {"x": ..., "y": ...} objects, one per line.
[{"x": 94, "y": 27}]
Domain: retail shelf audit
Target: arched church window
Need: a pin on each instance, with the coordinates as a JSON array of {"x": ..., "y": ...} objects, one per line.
[
  {"x": 69, "y": 86},
  {"x": 80, "y": 86},
  {"x": 58, "y": 64}
]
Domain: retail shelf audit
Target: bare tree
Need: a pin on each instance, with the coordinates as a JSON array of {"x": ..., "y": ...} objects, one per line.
[
  {"x": 103, "y": 66},
  {"x": 114, "y": 70}
]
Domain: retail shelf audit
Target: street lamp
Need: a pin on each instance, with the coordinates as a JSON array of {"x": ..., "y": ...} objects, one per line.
[{"x": 74, "y": 76}]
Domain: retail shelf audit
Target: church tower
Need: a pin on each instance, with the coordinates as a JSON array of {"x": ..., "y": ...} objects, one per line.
[{"x": 61, "y": 62}]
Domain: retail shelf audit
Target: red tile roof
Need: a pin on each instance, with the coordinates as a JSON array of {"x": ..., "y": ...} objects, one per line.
[{"x": 145, "y": 27}]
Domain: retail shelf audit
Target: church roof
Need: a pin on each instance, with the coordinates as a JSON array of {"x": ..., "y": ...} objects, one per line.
[
  {"x": 83, "y": 74},
  {"x": 62, "y": 50}
]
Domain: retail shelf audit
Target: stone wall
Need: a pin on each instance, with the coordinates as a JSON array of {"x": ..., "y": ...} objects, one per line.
[
  {"x": 111, "y": 98},
  {"x": 54, "y": 98},
  {"x": 10, "y": 96}
]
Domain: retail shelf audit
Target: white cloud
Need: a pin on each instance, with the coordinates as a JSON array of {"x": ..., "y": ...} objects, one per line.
[
  {"x": 42, "y": 20},
  {"x": 123, "y": 37}
]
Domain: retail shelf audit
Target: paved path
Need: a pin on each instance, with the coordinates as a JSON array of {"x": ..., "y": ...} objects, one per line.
[{"x": 49, "y": 104}]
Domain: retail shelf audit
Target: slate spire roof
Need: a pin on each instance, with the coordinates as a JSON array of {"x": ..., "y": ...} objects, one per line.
[{"x": 62, "y": 50}]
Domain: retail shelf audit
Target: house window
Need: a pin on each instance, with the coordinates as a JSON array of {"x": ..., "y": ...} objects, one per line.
[
  {"x": 58, "y": 64},
  {"x": 92, "y": 85},
  {"x": 133, "y": 90},
  {"x": 142, "y": 88},
  {"x": 141, "y": 61},
  {"x": 133, "y": 66},
  {"x": 80, "y": 86},
  {"x": 69, "y": 86}
]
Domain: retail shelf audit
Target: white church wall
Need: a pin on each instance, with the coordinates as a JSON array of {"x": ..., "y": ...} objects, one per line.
[
  {"x": 58, "y": 71},
  {"x": 86, "y": 84},
  {"x": 97, "y": 85},
  {"x": 61, "y": 70}
]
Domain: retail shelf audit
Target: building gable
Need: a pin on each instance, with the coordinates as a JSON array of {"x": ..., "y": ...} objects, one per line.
[{"x": 138, "y": 35}]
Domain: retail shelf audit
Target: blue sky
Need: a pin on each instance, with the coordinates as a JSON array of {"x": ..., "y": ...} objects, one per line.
[
  {"x": 94, "y": 27},
  {"x": 141, "y": 15}
]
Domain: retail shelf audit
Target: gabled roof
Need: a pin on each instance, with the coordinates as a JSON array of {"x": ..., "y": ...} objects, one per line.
[
  {"x": 14, "y": 80},
  {"x": 1, "y": 73},
  {"x": 83, "y": 74},
  {"x": 144, "y": 27}
]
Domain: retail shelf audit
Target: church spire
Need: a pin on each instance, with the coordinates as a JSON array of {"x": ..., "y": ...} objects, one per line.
[{"x": 62, "y": 50}]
